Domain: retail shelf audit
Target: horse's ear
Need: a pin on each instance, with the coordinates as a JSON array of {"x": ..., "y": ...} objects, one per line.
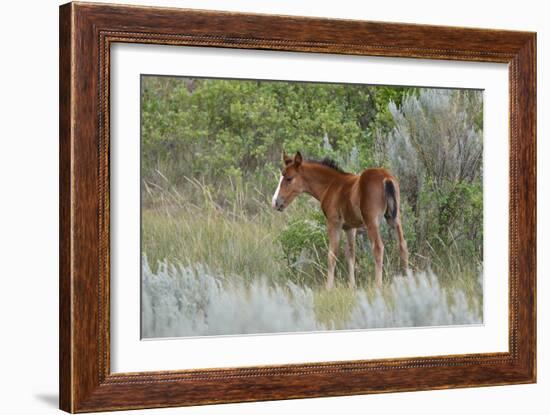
[
  {"x": 286, "y": 159},
  {"x": 297, "y": 159}
]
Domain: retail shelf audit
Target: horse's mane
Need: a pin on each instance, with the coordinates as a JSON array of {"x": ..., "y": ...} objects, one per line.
[{"x": 328, "y": 162}]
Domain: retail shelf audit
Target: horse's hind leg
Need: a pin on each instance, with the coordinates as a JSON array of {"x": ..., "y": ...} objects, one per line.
[
  {"x": 403, "y": 251},
  {"x": 377, "y": 245},
  {"x": 350, "y": 255}
]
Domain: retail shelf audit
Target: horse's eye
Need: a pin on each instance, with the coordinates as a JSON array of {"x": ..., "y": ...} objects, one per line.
[{"x": 289, "y": 179}]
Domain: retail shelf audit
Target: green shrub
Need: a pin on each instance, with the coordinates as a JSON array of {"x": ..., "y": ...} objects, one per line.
[{"x": 303, "y": 239}]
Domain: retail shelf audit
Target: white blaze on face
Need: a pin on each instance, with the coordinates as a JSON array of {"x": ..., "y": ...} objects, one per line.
[{"x": 276, "y": 194}]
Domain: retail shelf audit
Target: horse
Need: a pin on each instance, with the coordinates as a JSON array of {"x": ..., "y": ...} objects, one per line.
[{"x": 348, "y": 201}]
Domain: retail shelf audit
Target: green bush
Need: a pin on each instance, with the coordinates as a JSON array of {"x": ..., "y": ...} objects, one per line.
[{"x": 304, "y": 244}]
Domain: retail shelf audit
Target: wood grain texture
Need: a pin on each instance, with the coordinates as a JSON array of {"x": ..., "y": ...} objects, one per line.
[
  {"x": 86, "y": 33},
  {"x": 65, "y": 251}
]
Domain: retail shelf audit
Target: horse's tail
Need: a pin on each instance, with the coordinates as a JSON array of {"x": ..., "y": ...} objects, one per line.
[{"x": 391, "y": 200}]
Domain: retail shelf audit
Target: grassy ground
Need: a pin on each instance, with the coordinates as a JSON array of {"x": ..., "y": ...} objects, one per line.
[
  {"x": 197, "y": 301},
  {"x": 240, "y": 238}
]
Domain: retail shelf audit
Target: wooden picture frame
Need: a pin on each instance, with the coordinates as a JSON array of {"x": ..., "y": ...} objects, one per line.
[{"x": 86, "y": 33}]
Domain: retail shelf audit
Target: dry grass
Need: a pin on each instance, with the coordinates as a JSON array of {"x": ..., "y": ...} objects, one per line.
[{"x": 238, "y": 239}]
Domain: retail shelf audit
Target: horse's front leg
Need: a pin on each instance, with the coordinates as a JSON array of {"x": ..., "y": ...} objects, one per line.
[
  {"x": 350, "y": 255},
  {"x": 334, "y": 230}
]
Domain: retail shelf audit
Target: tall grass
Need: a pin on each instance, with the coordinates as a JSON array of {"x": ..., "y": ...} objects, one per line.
[
  {"x": 192, "y": 225},
  {"x": 234, "y": 230}
]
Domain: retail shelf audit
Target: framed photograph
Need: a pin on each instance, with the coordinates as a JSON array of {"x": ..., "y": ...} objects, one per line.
[{"x": 258, "y": 207}]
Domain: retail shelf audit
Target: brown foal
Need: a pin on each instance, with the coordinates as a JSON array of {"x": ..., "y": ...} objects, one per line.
[{"x": 348, "y": 201}]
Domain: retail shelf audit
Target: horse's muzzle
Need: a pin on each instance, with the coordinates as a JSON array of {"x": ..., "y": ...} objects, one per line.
[{"x": 278, "y": 205}]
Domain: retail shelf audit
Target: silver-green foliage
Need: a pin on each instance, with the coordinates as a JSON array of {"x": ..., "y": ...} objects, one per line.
[
  {"x": 436, "y": 151},
  {"x": 194, "y": 301}
]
